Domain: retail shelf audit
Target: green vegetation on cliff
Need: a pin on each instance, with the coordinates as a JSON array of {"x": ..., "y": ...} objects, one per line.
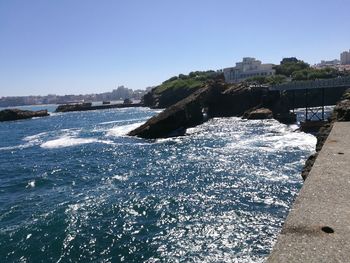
[
  {"x": 193, "y": 80},
  {"x": 177, "y": 88}
]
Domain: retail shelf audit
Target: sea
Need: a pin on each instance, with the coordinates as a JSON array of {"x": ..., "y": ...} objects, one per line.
[{"x": 75, "y": 188}]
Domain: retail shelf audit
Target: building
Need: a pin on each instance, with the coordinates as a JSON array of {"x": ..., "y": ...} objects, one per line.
[
  {"x": 249, "y": 67},
  {"x": 328, "y": 64},
  {"x": 345, "y": 58}
]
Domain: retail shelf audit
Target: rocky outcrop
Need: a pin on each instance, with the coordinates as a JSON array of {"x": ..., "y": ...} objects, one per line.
[
  {"x": 16, "y": 114},
  {"x": 178, "y": 88},
  {"x": 258, "y": 114},
  {"x": 166, "y": 98},
  {"x": 88, "y": 106},
  {"x": 216, "y": 99},
  {"x": 341, "y": 112},
  {"x": 176, "y": 119}
]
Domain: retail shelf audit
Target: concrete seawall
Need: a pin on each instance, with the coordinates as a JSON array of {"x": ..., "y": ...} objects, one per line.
[{"x": 317, "y": 228}]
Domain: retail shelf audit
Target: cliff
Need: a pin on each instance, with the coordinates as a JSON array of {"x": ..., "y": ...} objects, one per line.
[{"x": 16, "y": 114}]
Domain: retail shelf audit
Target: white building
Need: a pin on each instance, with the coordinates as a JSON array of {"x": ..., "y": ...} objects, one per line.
[
  {"x": 249, "y": 67},
  {"x": 345, "y": 58},
  {"x": 327, "y": 63}
]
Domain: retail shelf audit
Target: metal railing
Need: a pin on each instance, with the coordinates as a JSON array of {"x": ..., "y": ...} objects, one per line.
[{"x": 313, "y": 84}]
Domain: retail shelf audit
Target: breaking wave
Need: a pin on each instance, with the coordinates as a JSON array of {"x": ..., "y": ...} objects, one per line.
[{"x": 123, "y": 130}]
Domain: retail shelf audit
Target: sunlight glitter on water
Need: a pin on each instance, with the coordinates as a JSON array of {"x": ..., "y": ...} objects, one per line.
[{"x": 218, "y": 194}]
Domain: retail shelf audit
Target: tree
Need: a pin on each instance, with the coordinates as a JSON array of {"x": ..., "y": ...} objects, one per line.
[
  {"x": 289, "y": 60},
  {"x": 290, "y": 65}
]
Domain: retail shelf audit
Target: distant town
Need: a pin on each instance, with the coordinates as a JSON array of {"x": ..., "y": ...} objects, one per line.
[
  {"x": 121, "y": 93},
  {"x": 249, "y": 68}
]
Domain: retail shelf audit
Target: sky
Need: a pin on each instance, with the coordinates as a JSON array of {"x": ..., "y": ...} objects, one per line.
[{"x": 93, "y": 46}]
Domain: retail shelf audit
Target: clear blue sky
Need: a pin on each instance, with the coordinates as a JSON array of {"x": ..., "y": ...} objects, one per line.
[{"x": 91, "y": 46}]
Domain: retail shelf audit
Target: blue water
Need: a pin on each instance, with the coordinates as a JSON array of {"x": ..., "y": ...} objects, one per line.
[{"x": 75, "y": 188}]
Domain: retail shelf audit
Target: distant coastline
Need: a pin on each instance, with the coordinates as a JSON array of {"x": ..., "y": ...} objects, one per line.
[{"x": 118, "y": 94}]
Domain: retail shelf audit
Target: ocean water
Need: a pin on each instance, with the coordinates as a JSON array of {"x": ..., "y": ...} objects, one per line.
[{"x": 75, "y": 188}]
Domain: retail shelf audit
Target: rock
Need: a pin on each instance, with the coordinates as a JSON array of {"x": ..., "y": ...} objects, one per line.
[
  {"x": 232, "y": 100},
  {"x": 342, "y": 110},
  {"x": 127, "y": 101},
  {"x": 176, "y": 88},
  {"x": 308, "y": 165},
  {"x": 216, "y": 99},
  {"x": 174, "y": 120},
  {"x": 88, "y": 106},
  {"x": 259, "y": 114},
  {"x": 167, "y": 98},
  {"x": 16, "y": 114},
  {"x": 286, "y": 117},
  {"x": 75, "y": 107}
]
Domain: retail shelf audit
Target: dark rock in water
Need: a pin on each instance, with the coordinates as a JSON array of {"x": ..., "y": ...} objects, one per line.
[
  {"x": 258, "y": 114},
  {"x": 286, "y": 117},
  {"x": 16, "y": 114},
  {"x": 88, "y": 106},
  {"x": 216, "y": 99},
  {"x": 174, "y": 120},
  {"x": 127, "y": 101},
  {"x": 75, "y": 107}
]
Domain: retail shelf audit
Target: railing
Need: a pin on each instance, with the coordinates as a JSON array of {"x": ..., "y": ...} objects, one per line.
[{"x": 313, "y": 84}]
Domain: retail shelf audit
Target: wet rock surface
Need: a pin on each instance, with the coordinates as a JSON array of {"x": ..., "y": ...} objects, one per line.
[
  {"x": 259, "y": 114},
  {"x": 17, "y": 114}
]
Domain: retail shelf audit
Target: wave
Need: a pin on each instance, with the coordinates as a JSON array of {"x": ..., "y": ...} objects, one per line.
[
  {"x": 123, "y": 130},
  {"x": 29, "y": 142},
  {"x": 16, "y": 147},
  {"x": 66, "y": 141},
  {"x": 69, "y": 141},
  {"x": 34, "y": 137},
  {"x": 119, "y": 121}
]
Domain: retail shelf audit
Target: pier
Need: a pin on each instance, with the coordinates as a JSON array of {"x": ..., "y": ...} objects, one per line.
[
  {"x": 317, "y": 228},
  {"x": 313, "y": 95}
]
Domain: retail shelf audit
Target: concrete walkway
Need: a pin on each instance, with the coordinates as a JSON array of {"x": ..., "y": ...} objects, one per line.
[{"x": 317, "y": 228}]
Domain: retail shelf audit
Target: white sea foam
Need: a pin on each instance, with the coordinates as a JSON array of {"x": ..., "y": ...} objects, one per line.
[
  {"x": 120, "y": 177},
  {"x": 16, "y": 147},
  {"x": 29, "y": 142},
  {"x": 34, "y": 137},
  {"x": 123, "y": 130},
  {"x": 67, "y": 141},
  {"x": 31, "y": 184},
  {"x": 119, "y": 121}
]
